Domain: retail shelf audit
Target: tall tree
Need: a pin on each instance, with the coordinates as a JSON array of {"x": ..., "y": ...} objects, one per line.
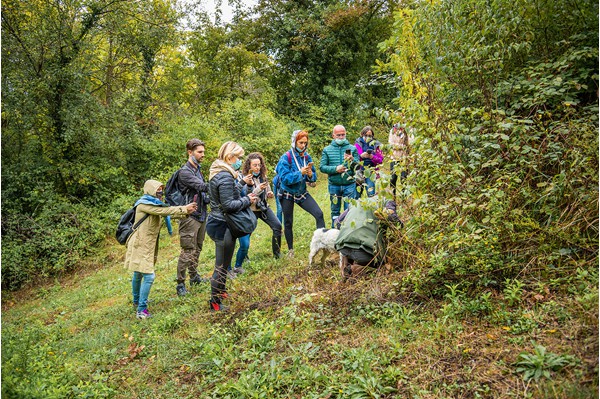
[{"x": 323, "y": 52}]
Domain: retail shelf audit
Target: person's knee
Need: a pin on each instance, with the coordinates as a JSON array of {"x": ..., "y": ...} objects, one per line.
[{"x": 149, "y": 278}]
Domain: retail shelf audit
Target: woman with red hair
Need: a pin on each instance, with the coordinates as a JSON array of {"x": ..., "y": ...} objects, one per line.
[{"x": 295, "y": 169}]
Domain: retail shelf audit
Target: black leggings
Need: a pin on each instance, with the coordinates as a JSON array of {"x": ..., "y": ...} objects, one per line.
[
  {"x": 223, "y": 255},
  {"x": 271, "y": 220},
  {"x": 309, "y": 205}
]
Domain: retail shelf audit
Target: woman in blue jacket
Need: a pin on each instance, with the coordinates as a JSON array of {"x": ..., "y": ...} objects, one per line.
[{"x": 295, "y": 169}]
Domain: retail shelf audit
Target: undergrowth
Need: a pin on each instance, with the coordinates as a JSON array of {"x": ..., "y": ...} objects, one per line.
[{"x": 298, "y": 332}]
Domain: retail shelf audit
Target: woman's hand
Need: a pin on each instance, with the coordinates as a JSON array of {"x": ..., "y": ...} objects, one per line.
[
  {"x": 253, "y": 198},
  {"x": 248, "y": 179},
  {"x": 191, "y": 207},
  {"x": 270, "y": 194}
]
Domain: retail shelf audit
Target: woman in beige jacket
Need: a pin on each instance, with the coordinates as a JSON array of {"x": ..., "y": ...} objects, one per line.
[{"x": 142, "y": 245}]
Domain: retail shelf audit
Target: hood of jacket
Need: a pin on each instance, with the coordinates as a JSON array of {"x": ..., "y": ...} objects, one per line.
[
  {"x": 294, "y": 135},
  {"x": 151, "y": 187},
  {"x": 220, "y": 166}
]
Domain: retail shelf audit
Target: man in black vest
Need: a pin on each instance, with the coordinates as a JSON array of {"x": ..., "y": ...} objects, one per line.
[{"x": 192, "y": 229}]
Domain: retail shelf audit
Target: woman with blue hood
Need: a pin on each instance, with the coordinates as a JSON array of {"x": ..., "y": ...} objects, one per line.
[
  {"x": 295, "y": 170},
  {"x": 142, "y": 245}
]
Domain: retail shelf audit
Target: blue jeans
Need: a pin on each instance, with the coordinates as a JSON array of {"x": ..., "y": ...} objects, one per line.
[
  {"x": 337, "y": 195},
  {"x": 279, "y": 210},
  {"x": 242, "y": 251},
  {"x": 140, "y": 289},
  {"x": 370, "y": 188}
]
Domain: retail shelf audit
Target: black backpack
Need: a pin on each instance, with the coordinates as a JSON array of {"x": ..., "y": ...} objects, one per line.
[
  {"x": 126, "y": 227},
  {"x": 173, "y": 194}
]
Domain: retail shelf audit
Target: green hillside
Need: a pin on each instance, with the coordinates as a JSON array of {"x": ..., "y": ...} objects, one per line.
[
  {"x": 295, "y": 332},
  {"x": 489, "y": 290}
]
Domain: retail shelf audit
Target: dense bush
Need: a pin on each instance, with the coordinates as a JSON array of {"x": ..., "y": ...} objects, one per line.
[
  {"x": 49, "y": 243},
  {"x": 505, "y": 178}
]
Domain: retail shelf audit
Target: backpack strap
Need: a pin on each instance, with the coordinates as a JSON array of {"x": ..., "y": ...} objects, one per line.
[{"x": 135, "y": 226}]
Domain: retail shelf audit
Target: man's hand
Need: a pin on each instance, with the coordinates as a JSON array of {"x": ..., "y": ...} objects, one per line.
[
  {"x": 191, "y": 207},
  {"x": 341, "y": 169}
]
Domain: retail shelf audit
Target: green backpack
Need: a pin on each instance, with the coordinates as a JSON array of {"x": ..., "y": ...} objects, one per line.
[{"x": 360, "y": 230}]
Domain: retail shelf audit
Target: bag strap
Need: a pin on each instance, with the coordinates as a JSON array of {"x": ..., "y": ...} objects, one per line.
[{"x": 135, "y": 226}]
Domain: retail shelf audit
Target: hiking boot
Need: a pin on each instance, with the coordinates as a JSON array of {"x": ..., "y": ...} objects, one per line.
[
  {"x": 231, "y": 274},
  {"x": 198, "y": 280},
  {"x": 239, "y": 270},
  {"x": 181, "y": 291},
  {"x": 217, "y": 307},
  {"x": 144, "y": 314}
]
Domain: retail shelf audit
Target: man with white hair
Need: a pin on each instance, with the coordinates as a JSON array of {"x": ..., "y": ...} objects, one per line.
[{"x": 339, "y": 160}]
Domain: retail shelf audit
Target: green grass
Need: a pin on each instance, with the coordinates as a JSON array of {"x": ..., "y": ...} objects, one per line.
[{"x": 293, "y": 332}]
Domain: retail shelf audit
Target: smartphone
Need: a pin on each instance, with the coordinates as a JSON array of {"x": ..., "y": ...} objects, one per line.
[
  {"x": 310, "y": 164},
  {"x": 348, "y": 152},
  {"x": 196, "y": 198}
]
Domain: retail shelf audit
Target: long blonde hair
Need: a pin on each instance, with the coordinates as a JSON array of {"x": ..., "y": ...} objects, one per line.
[{"x": 230, "y": 148}]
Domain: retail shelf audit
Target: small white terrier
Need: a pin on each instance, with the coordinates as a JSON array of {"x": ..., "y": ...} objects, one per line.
[{"x": 323, "y": 241}]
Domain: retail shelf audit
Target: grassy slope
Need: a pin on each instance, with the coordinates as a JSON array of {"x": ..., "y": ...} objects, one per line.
[{"x": 293, "y": 332}]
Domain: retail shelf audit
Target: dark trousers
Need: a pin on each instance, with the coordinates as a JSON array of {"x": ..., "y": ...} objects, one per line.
[
  {"x": 394, "y": 179},
  {"x": 271, "y": 220},
  {"x": 223, "y": 254},
  {"x": 309, "y": 205}
]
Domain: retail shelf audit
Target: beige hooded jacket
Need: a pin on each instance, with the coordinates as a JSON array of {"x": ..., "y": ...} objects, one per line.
[{"x": 142, "y": 245}]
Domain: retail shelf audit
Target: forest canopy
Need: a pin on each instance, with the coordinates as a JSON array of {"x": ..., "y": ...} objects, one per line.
[{"x": 98, "y": 96}]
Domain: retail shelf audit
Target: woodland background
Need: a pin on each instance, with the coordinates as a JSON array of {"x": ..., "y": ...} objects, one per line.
[{"x": 502, "y": 204}]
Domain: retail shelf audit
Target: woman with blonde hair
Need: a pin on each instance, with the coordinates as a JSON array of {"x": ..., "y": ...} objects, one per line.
[{"x": 225, "y": 197}]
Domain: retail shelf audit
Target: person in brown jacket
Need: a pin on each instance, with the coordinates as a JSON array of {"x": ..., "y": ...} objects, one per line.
[{"x": 142, "y": 245}]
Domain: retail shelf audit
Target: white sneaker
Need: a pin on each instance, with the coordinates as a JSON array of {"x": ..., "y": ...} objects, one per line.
[{"x": 290, "y": 253}]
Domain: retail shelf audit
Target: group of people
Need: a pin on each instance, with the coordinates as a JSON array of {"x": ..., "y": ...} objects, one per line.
[{"x": 235, "y": 184}]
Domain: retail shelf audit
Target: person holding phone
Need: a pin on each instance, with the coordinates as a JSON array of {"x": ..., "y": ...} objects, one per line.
[
  {"x": 254, "y": 174},
  {"x": 371, "y": 156},
  {"x": 192, "y": 230},
  {"x": 339, "y": 161},
  {"x": 296, "y": 170},
  {"x": 225, "y": 197}
]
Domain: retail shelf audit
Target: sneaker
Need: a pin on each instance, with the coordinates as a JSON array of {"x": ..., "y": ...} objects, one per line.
[
  {"x": 198, "y": 280},
  {"x": 181, "y": 291},
  {"x": 217, "y": 307},
  {"x": 239, "y": 270},
  {"x": 144, "y": 314},
  {"x": 231, "y": 274},
  {"x": 290, "y": 253}
]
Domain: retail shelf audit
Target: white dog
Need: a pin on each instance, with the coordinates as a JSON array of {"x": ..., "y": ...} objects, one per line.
[{"x": 323, "y": 241}]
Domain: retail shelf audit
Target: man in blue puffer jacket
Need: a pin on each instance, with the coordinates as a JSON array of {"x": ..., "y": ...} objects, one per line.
[{"x": 339, "y": 160}]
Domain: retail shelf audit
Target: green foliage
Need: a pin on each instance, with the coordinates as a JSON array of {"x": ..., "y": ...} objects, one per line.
[
  {"x": 54, "y": 242},
  {"x": 33, "y": 368},
  {"x": 504, "y": 175},
  {"x": 322, "y": 53},
  {"x": 540, "y": 363}
]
